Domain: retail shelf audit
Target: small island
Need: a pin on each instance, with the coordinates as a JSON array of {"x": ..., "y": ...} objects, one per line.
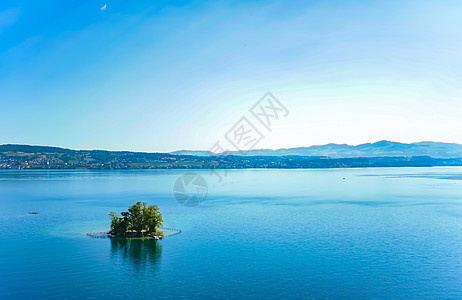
[{"x": 139, "y": 221}]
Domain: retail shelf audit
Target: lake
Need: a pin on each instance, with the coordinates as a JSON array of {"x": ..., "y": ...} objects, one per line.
[{"x": 331, "y": 233}]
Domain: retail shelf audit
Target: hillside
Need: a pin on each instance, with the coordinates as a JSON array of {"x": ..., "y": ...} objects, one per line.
[
  {"x": 382, "y": 148},
  {"x": 382, "y": 154}
]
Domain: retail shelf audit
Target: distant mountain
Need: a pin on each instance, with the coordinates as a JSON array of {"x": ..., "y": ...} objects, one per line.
[
  {"x": 381, "y": 154},
  {"x": 382, "y": 148}
]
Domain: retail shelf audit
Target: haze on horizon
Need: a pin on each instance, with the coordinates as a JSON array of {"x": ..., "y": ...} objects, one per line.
[{"x": 172, "y": 75}]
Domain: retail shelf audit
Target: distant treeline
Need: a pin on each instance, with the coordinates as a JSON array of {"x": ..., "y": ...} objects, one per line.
[{"x": 38, "y": 157}]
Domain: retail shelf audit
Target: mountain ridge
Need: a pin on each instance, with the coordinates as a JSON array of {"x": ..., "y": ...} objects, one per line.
[
  {"x": 332, "y": 150},
  {"x": 381, "y": 154}
]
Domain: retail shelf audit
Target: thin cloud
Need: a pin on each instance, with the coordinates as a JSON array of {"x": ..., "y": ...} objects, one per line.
[{"x": 103, "y": 7}]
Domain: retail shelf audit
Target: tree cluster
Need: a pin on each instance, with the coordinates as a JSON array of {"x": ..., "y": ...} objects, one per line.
[{"x": 139, "y": 220}]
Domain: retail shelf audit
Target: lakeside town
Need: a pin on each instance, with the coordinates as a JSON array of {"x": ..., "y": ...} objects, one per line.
[{"x": 38, "y": 157}]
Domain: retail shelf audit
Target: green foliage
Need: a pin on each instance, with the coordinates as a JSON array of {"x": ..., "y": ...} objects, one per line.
[
  {"x": 118, "y": 224},
  {"x": 137, "y": 217},
  {"x": 140, "y": 220}
]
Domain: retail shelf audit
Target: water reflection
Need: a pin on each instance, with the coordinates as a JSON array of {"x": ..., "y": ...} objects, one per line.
[{"x": 138, "y": 252}]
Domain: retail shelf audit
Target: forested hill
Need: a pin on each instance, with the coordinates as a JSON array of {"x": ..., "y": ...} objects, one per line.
[
  {"x": 41, "y": 157},
  {"x": 382, "y": 148}
]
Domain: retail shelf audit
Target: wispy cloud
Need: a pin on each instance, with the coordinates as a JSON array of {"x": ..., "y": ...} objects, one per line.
[{"x": 104, "y": 7}]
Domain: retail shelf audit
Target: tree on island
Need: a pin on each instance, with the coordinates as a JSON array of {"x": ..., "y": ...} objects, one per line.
[{"x": 140, "y": 220}]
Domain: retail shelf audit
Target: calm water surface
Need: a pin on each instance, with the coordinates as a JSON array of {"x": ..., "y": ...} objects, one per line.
[{"x": 378, "y": 233}]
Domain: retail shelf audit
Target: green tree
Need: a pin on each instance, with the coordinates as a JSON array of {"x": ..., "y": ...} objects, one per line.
[
  {"x": 118, "y": 224},
  {"x": 137, "y": 216},
  {"x": 153, "y": 218}
]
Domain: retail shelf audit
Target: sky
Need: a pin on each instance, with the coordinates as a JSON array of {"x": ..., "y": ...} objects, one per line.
[{"x": 154, "y": 75}]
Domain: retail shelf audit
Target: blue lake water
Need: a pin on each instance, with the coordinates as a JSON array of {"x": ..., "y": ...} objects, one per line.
[{"x": 335, "y": 233}]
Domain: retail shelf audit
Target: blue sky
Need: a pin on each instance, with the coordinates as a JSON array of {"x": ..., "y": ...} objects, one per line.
[{"x": 168, "y": 75}]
